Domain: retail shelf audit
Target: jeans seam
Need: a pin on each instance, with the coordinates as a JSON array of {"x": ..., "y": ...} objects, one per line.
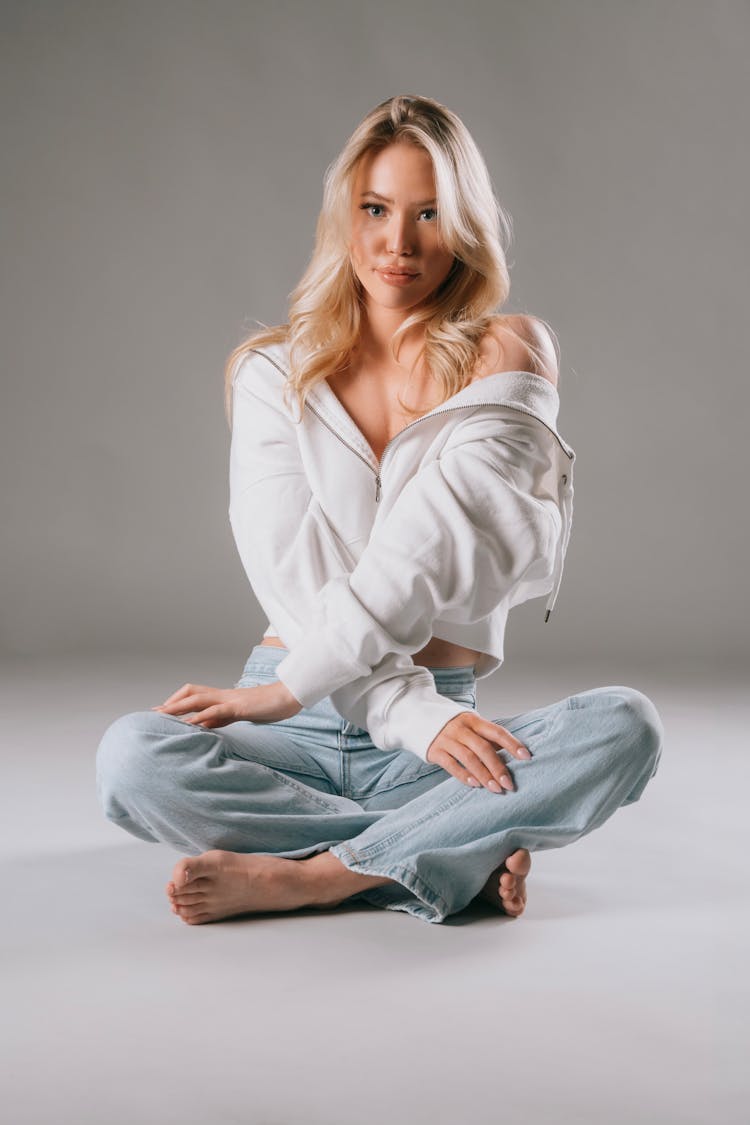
[
  {"x": 305, "y": 791},
  {"x": 365, "y": 794},
  {"x": 372, "y": 850}
]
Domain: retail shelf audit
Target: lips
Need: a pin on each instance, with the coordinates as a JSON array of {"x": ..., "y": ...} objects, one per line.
[
  {"x": 400, "y": 280},
  {"x": 397, "y": 273}
]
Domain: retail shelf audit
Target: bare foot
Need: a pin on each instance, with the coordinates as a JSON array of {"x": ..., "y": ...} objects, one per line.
[
  {"x": 506, "y": 886},
  {"x": 219, "y": 884}
]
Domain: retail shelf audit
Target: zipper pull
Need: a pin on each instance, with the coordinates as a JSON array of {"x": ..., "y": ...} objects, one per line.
[{"x": 377, "y": 487}]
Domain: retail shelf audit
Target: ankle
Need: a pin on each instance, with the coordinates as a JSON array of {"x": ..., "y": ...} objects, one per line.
[{"x": 328, "y": 881}]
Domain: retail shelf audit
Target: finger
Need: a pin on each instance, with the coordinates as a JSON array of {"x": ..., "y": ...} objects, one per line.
[
  {"x": 455, "y": 767},
  {"x": 452, "y": 759},
  {"x": 185, "y": 690},
  {"x": 452, "y": 766},
  {"x": 482, "y": 762},
  {"x": 188, "y": 704},
  {"x": 494, "y": 732},
  {"x": 212, "y": 717},
  {"x": 179, "y": 706}
]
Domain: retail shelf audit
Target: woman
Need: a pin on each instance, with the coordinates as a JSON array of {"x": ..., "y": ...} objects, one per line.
[{"x": 387, "y": 526}]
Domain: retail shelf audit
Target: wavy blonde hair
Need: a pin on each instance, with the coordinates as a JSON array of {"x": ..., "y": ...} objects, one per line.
[{"x": 326, "y": 307}]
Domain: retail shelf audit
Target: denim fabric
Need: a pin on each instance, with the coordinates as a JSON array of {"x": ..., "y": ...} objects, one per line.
[{"x": 315, "y": 782}]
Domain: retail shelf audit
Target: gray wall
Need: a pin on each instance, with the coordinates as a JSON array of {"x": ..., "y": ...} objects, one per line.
[{"x": 162, "y": 170}]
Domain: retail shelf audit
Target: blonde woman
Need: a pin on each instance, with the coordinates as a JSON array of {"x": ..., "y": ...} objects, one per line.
[{"x": 397, "y": 485}]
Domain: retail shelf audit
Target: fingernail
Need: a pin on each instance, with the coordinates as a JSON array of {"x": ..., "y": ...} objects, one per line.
[
  {"x": 524, "y": 753},
  {"x": 493, "y": 785},
  {"x": 506, "y": 782},
  {"x": 473, "y": 781}
]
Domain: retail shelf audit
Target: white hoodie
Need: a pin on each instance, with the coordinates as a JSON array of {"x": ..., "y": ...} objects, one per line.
[{"x": 358, "y": 563}]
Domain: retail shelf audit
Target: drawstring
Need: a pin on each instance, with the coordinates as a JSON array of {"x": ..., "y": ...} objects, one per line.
[{"x": 562, "y": 543}]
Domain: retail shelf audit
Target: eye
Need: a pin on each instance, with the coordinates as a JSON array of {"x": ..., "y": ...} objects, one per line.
[
  {"x": 370, "y": 206},
  {"x": 429, "y": 211}
]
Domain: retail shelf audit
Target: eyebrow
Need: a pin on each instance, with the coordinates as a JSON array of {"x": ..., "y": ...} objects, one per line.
[{"x": 420, "y": 203}]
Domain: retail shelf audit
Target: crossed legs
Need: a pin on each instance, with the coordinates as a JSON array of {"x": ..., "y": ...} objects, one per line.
[{"x": 262, "y": 839}]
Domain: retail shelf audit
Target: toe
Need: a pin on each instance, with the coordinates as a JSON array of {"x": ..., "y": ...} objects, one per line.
[
  {"x": 520, "y": 862},
  {"x": 195, "y": 867},
  {"x": 194, "y": 914},
  {"x": 183, "y": 872},
  {"x": 189, "y": 897}
]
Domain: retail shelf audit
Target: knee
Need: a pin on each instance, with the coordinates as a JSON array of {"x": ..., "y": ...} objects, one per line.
[
  {"x": 122, "y": 761},
  {"x": 132, "y": 755},
  {"x": 638, "y": 724}
]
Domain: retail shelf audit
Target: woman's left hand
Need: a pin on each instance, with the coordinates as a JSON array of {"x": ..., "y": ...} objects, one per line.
[{"x": 215, "y": 707}]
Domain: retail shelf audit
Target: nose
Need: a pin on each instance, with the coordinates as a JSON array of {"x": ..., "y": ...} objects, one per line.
[{"x": 399, "y": 235}]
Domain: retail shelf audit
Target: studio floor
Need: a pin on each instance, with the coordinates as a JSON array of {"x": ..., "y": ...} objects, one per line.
[{"x": 621, "y": 995}]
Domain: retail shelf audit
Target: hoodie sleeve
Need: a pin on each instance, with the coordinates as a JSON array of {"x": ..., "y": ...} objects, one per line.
[
  {"x": 463, "y": 535},
  {"x": 290, "y": 553}
]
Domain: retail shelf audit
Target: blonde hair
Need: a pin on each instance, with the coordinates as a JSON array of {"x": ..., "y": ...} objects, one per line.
[{"x": 325, "y": 309}]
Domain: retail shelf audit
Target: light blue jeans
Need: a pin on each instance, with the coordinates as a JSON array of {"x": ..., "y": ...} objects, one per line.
[{"x": 315, "y": 782}]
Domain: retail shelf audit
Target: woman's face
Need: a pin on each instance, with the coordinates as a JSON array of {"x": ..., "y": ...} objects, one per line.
[{"x": 395, "y": 249}]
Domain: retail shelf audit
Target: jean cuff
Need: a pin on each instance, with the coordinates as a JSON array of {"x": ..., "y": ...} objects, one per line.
[{"x": 422, "y": 901}]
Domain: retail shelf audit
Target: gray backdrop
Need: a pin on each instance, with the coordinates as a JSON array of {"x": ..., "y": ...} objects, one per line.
[{"x": 162, "y": 172}]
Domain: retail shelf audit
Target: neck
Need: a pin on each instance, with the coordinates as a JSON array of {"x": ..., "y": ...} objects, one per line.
[{"x": 376, "y": 334}]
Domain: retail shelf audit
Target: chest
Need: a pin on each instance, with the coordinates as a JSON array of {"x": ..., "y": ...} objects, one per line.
[{"x": 373, "y": 406}]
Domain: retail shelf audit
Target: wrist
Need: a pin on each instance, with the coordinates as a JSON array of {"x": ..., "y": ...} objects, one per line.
[{"x": 284, "y": 698}]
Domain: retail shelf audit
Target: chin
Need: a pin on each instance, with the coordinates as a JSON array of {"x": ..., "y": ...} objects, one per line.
[{"x": 391, "y": 295}]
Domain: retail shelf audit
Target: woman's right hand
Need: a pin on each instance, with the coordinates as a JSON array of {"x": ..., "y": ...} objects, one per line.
[{"x": 467, "y": 748}]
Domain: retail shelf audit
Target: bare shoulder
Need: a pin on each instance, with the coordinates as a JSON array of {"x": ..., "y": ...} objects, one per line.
[{"x": 518, "y": 343}]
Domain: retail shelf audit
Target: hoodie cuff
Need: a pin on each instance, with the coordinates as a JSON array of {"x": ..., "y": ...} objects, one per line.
[
  {"x": 316, "y": 667},
  {"x": 413, "y": 719}
]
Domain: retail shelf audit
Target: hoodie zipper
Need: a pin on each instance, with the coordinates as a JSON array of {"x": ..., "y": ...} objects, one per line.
[{"x": 447, "y": 410}]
